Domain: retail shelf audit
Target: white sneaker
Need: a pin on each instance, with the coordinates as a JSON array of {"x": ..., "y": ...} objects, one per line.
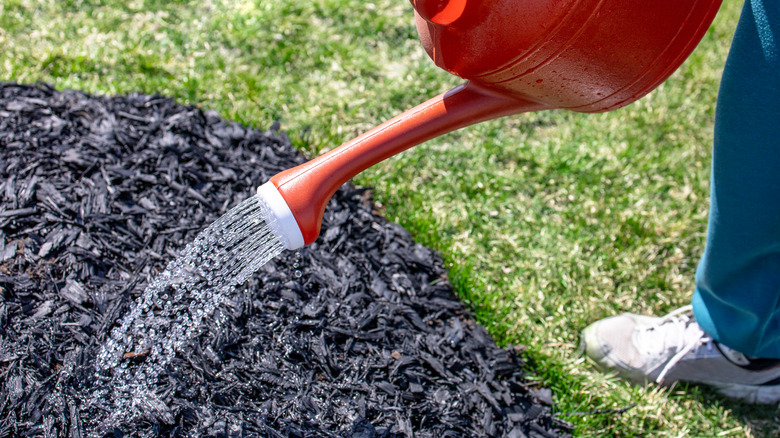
[{"x": 674, "y": 348}]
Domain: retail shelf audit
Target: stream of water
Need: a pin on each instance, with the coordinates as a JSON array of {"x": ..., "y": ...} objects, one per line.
[{"x": 169, "y": 312}]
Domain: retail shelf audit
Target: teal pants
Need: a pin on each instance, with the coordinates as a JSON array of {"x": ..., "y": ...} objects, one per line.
[{"x": 737, "y": 296}]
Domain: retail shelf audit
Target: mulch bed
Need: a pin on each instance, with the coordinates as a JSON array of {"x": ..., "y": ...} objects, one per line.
[{"x": 357, "y": 335}]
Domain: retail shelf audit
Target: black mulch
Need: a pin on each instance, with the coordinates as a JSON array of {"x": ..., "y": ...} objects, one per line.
[{"x": 367, "y": 340}]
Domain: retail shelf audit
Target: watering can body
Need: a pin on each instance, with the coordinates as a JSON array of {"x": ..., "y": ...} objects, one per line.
[
  {"x": 582, "y": 55},
  {"x": 516, "y": 56}
]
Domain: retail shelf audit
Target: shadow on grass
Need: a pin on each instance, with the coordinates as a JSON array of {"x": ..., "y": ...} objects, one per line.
[{"x": 762, "y": 420}]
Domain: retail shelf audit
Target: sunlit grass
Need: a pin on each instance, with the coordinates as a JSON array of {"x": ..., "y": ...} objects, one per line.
[{"x": 547, "y": 221}]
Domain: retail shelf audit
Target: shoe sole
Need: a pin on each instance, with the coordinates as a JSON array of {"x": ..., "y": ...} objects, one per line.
[{"x": 749, "y": 393}]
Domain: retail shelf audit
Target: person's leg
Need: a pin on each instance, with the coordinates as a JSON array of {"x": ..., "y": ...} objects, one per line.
[{"x": 737, "y": 298}]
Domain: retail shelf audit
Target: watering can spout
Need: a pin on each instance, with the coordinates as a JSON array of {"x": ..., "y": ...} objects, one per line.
[{"x": 308, "y": 187}]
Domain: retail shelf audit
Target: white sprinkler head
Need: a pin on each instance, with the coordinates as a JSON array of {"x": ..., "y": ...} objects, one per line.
[{"x": 283, "y": 223}]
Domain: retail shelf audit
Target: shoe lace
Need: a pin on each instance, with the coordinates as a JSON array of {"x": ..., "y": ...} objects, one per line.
[{"x": 675, "y": 331}]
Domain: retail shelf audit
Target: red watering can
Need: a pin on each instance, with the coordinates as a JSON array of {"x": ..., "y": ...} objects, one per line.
[{"x": 516, "y": 56}]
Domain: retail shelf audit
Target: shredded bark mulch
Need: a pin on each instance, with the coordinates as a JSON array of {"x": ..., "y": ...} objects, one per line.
[{"x": 358, "y": 335}]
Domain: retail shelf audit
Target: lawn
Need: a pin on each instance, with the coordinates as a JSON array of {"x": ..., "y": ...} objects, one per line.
[{"x": 547, "y": 221}]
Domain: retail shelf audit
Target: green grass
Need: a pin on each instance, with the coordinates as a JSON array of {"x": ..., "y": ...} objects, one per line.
[{"x": 547, "y": 221}]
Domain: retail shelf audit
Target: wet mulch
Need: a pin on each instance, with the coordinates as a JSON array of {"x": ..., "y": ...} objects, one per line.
[{"x": 358, "y": 335}]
